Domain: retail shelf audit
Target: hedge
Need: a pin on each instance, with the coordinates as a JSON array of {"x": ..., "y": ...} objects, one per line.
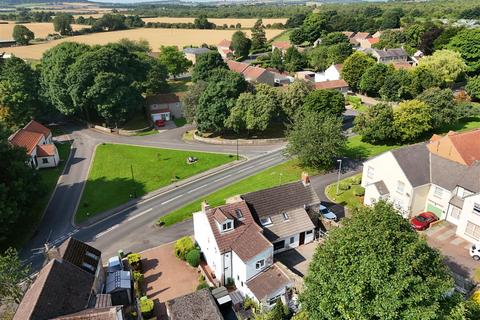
[
  {"x": 183, "y": 246},
  {"x": 193, "y": 257}
]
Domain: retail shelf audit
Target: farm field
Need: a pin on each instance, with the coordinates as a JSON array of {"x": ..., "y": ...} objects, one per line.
[
  {"x": 246, "y": 23},
  {"x": 40, "y": 29},
  {"x": 156, "y": 38}
]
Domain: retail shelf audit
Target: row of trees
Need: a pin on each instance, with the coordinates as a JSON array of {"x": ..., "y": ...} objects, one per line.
[
  {"x": 243, "y": 46},
  {"x": 410, "y": 120}
]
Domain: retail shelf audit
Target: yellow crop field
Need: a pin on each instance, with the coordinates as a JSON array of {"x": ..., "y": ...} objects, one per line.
[
  {"x": 156, "y": 38},
  {"x": 40, "y": 29},
  {"x": 246, "y": 23}
]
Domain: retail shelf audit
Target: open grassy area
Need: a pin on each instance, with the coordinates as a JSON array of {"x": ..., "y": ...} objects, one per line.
[
  {"x": 284, "y": 36},
  {"x": 271, "y": 177},
  {"x": 110, "y": 181},
  {"x": 346, "y": 197},
  {"x": 49, "y": 178},
  {"x": 181, "y": 85}
]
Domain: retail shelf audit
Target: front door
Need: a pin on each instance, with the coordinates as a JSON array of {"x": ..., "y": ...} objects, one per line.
[
  {"x": 227, "y": 264},
  {"x": 302, "y": 238}
]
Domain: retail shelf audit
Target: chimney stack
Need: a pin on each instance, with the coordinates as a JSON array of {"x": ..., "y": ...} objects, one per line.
[
  {"x": 305, "y": 179},
  {"x": 205, "y": 206}
]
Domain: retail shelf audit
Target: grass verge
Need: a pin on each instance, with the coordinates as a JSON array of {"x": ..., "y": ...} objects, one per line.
[
  {"x": 49, "y": 178},
  {"x": 110, "y": 182},
  {"x": 346, "y": 197},
  {"x": 271, "y": 177}
]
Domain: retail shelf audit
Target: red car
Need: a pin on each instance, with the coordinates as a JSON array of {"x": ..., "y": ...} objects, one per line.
[
  {"x": 423, "y": 220},
  {"x": 160, "y": 123}
]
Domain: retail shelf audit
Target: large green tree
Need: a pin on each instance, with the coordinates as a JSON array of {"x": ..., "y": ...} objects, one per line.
[
  {"x": 294, "y": 60},
  {"x": 19, "y": 88},
  {"x": 424, "y": 78},
  {"x": 55, "y": 65},
  {"x": 62, "y": 23},
  {"x": 354, "y": 67},
  {"x": 446, "y": 64},
  {"x": 241, "y": 44},
  {"x": 190, "y": 100},
  {"x": 473, "y": 87},
  {"x": 218, "y": 98},
  {"x": 17, "y": 184},
  {"x": 293, "y": 98},
  {"x": 376, "y": 124},
  {"x": 205, "y": 63},
  {"x": 316, "y": 139},
  {"x": 467, "y": 42},
  {"x": 259, "y": 38},
  {"x": 318, "y": 58},
  {"x": 442, "y": 106},
  {"x": 12, "y": 272},
  {"x": 376, "y": 267},
  {"x": 22, "y": 35},
  {"x": 372, "y": 80},
  {"x": 411, "y": 119},
  {"x": 174, "y": 60},
  {"x": 397, "y": 86},
  {"x": 328, "y": 102}
]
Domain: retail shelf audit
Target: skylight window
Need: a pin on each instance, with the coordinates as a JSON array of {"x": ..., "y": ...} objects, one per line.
[
  {"x": 239, "y": 213},
  {"x": 265, "y": 221},
  {"x": 285, "y": 216},
  {"x": 91, "y": 255}
]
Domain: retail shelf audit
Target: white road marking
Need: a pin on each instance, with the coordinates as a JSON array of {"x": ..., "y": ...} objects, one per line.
[
  {"x": 245, "y": 169},
  {"x": 269, "y": 160},
  {"x": 170, "y": 200},
  {"x": 225, "y": 177},
  {"x": 140, "y": 214},
  {"x": 106, "y": 231},
  {"x": 198, "y": 188}
]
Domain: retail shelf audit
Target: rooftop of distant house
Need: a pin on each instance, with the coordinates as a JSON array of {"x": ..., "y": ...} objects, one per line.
[
  {"x": 282, "y": 44},
  {"x": 165, "y": 98},
  {"x": 331, "y": 84},
  {"x": 225, "y": 43},
  {"x": 196, "y": 50},
  {"x": 199, "y": 305},
  {"x": 462, "y": 147}
]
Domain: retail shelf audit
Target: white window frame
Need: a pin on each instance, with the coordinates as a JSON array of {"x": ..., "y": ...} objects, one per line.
[
  {"x": 285, "y": 216},
  {"x": 438, "y": 192},
  {"x": 456, "y": 213},
  {"x": 226, "y": 226},
  {"x": 370, "y": 172},
  {"x": 266, "y": 221},
  {"x": 260, "y": 264},
  {"x": 472, "y": 230},
  {"x": 400, "y": 187},
  {"x": 476, "y": 209}
]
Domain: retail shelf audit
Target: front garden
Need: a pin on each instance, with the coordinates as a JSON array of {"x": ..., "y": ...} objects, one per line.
[
  {"x": 122, "y": 172},
  {"x": 350, "y": 192}
]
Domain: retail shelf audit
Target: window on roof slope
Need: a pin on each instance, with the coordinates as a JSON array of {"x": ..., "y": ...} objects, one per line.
[
  {"x": 88, "y": 266},
  {"x": 91, "y": 255},
  {"x": 239, "y": 213},
  {"x": 260, "y": 264},
  {"x": 265, "y": 221},
  {"x": 227, "y": 226},
  {"x": 285, "y": 216}
]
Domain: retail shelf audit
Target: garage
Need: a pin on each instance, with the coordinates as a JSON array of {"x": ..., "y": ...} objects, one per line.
[{"x": 436, "y": 210}]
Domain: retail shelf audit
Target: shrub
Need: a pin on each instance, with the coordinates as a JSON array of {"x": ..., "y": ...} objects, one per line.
[
  {"x": 249, "y": 303},
  {"x": 183, "y": 246},
  {"x": 137, "y": 277},
  {"x": 356, "y": 180},
  {"x": 146, "y": 307},
  {"x": 358, "y": 191},
  {"x": 202, "y": 285},
  {"x": 135, "y": 261},
  {"x": 344, "y": 186},
  {"x": 201, "y": 278},
  {"x": 193, "y": 257}
]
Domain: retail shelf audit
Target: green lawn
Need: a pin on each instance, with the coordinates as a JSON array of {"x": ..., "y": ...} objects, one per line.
[
  {"x": 346, "y": 197},
  {"x": 274, "y": 176},
  {"x": 49, "y": 178},
  {"x": 284, "y": 36},
  {"x": 110, "y": 182},
  {"x": 179, "y": 85}
]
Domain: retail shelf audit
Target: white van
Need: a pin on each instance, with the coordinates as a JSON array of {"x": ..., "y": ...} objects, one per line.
[{"x": 475, "y": 252}]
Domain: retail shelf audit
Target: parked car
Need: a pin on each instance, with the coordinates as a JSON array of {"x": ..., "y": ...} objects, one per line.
[
  {"x": 423, "y": 220},
  {"x": 327, "y": 214},
  {"x": 475, "y": 252},
  {"x": 160, "y": 123}
]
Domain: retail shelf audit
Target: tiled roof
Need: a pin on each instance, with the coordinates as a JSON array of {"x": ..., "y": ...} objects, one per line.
[
  {"x": 46, "y": 150},
  {"x": 281, "y": 44},
  {"x": 77, "y": 253},
  {"x": 331, "y": 84},
  {"x": 280, "y": 199},
  {"x": 361, "y": 35},
  {"x": 268, "y": 282},
  {"x": 339, "y": 67},
  {"x": 224, "y": 43},
  {"x": 236, "y": 66},
  {"x": 26, "y": 139},
  {"x": 34, "y": 126},
  {"x": 373, "y": 40},
  {"x": 245, "y": 239},
  {"x": 253, "y": 73},
  {"x": 107, "y": 313},
  {"x": 298, "y": 222},
  {"x": 389, "y": 53},
  {"x": 59, "y": 289},
  {"x": 402, "y": 65},
  {"x": 164, "y": 98},
  {"x": 414, "y": 161},
  {"x": 463, "y": 147},
  {"x": 199, "y": 305},
  {"x": 348, "y": 34}
]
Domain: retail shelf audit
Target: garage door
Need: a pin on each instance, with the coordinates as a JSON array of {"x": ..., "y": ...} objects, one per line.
[{"x": 438, "y": 212}]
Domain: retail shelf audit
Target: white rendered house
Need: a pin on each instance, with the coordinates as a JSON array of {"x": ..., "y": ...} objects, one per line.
[{"x": 334, "y": 72}]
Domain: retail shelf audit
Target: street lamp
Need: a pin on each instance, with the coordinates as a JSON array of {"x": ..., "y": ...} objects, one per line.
[
  {"x": 133, "y": 179},
  {"x": 339, "y": 172}
]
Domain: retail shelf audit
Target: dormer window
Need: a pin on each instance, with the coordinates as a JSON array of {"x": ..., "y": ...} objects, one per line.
[
  {"x": 228, "y": 225},
  {"x": 239, "y": 213},
  {"x": 265, "y": 221},
  {"x": 285, "y": 216}
]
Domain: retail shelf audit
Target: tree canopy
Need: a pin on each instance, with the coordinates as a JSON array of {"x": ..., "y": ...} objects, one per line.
[
  {"x": 241, "y": 44},
  {"x": 259, "y": 38},
  {"x": 467, "y": 43},
  {"x": 446, "y": 64},
  {"x": 22, "y": 35},
  {"x": 376, "y": 267},
  {"x": 412, "y": 119},
  {"x": 12, "y": 272},
  {"x": 205, "y": 63},
  {"x": 331, "y": 102},
  {"x": 376, "y": 124},
  {"x": 174, "y": 60},
  {"x": 62, "y": 23},
  {"x": 354, "y": 67}
]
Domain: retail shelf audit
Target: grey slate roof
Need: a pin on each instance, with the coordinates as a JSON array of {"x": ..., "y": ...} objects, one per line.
[
  {"x": 389, "y": 53},
  {"x": 298, "y": 221},
  {"x": 280, "y": 199},
  {"x": 198, "y": 305},
  {"x": 196, "y": 50},
  {"x": 414, "y": 161},
  {"x": 381, "y": 187}
]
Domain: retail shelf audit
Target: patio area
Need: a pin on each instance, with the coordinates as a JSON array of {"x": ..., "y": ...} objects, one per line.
[
  {"x": 298, "y": 259},
  {"x": 166, "y": 276}
]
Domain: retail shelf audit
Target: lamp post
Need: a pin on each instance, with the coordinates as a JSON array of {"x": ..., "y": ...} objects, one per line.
[
  {"x": 339, "y": 172},
  {"x": 237, "y": 148},
  {"x": 133, "y": 178}
]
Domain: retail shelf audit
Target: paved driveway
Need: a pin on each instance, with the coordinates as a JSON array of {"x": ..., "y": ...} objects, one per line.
[
  {"x": 166, "y": 276},
  {"x": 298, "y": 259},
  {"x": 455, "y": 249}
]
